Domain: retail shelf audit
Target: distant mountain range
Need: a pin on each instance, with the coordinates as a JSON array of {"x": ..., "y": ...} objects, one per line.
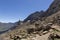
[{"x": 5, "y": 26}]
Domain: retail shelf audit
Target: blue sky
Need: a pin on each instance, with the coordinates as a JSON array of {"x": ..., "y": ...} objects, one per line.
[{"x": 13, "y": 10}]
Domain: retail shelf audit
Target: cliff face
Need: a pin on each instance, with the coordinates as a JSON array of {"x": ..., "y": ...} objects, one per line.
[{"x": 46, "y": 26}]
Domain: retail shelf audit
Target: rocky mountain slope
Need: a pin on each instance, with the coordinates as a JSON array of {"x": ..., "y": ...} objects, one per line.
[
  {"x": 35, "y": 16},
  {"x": 38, "y": 26},
  {"x": 53, "y": 8}
]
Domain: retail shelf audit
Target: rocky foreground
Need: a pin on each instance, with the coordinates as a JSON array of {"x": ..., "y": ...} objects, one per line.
[{"x": 22, "y": 34}]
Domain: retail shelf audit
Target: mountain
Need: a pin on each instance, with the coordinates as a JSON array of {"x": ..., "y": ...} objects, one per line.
[
  {"x": 45, "y": 26},
  {"x": 5, "y": 26},
  {"x": 53, "y": 8},
  {"x": 35, "y": 16}
]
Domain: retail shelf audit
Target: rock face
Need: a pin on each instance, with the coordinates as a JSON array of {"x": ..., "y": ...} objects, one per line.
[
  {"x": 45, "y": 26},
  {"x": 54, "y": 7},
  {"x": 35, "y": 16}
]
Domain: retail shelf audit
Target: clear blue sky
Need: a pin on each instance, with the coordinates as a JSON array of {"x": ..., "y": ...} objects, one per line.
[{"x": 13, "y": 10}]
